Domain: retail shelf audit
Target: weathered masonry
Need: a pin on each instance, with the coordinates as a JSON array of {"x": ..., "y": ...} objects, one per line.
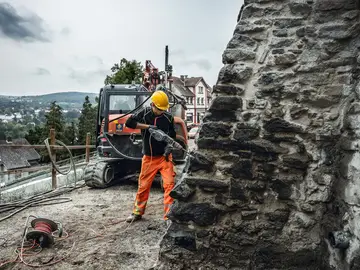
[{"x": 280, "y": 147}]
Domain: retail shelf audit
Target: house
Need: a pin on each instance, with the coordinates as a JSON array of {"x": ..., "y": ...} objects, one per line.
[
  {"x": 16, "y": 158},
  {"x": 196, "y": 92}
]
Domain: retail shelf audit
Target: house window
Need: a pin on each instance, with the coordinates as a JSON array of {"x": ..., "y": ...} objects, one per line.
[
  {"x": 187, "y": 100},
  {"x": 201, "y": 90},
  {"x": 191, "y": 100},
  {"x": 189, "y": 117},
  {"x": 198, "y": 101},
  {"x": 202, "y": 101},
  {"x": 17, "y": 174}
]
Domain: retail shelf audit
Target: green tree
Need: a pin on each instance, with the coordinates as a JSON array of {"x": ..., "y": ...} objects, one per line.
[
  {"x": 87, "y": 121},
  {"x": 125, "y": 73},
  {"x": 55, "y": 119},
  {"x": 70, "y": 134},
  {"x": 35, "y": 136}
]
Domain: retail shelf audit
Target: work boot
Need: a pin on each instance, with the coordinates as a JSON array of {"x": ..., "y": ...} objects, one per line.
[{"x": 133, "y": 218}]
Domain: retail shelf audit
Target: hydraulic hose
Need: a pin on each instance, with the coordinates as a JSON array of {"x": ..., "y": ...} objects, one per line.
[
  {"x": 134, "y": 110},
  {"x": 72, "y": 167},
  {"x": 117, "y": 151}
]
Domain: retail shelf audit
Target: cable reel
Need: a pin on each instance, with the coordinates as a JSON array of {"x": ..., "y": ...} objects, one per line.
[{"x": 41, "y": 231}]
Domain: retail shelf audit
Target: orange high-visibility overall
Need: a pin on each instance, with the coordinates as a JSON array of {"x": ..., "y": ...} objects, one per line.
[{"x": 150, "y": 166}]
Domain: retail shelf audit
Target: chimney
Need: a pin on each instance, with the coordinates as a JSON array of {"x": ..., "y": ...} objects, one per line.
[{"x": 182, "y": 77}]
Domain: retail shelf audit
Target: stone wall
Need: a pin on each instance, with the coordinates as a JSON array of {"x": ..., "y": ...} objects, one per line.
[{"x": 279, "y": 161}]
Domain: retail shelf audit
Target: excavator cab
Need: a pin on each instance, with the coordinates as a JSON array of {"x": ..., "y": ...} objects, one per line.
[{"x": 119, "y": 147}]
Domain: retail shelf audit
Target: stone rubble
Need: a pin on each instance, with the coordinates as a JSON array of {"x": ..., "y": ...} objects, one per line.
[{"x": 279, "y": 146}]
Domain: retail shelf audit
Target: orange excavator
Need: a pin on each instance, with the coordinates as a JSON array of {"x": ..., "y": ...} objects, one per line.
[{"x": 119, "y": 147}]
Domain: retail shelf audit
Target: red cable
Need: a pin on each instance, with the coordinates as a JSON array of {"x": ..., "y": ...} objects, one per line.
[{"x": 43, "y": 227}]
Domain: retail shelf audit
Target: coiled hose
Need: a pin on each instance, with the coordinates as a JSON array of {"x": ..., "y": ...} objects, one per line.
[{"x": 72, "y": 167}]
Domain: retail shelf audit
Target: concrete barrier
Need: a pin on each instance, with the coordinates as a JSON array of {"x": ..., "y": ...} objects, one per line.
[{"x": 33, "y": 187}]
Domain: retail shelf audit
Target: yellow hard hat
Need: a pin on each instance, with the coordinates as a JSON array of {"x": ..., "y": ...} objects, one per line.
[{"x": 160, "y": 100}]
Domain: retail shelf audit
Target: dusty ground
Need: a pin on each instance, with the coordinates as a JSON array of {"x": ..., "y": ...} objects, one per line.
[{"x": 94, "y": 221}]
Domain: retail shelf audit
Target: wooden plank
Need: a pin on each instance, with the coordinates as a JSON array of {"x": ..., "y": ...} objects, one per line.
[
  {"x": 87, "y": 153},
  {"x": 53, "y": 155}
]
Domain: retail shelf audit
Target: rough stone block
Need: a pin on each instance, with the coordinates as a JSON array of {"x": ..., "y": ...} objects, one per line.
[
  {"x": 288, "y": 22},
  {"x": 206, "y": 183},
  {"x": 179, "y": 236},
  {"x": 182, "y": 191},
  {"x": 297, "y": 111},
  {"x": 230, "y": 56},
  {"x": 237, "y": 190},
  {"x": 280, "y": 137},
  {"x": 201, "y": 162},
  {"x": 234, "y": 73},
  {"x": 339, "y": 31},
  {"x": 327, "y": 5},
  {"x": 202, "y": 214},
  {"x": 245, "y": 27},
  {"x": 282, "y": 42},
  {"x": 242, "y": 41},
  {"x": 228, "y": 89},
  {"x": 290, "y": 177},
  {"x": 226, "y": 145},
  {"x": 264, "y": 146},
  {"x": 252, "y": 11},
  {"x": 283, "y": 190},
  {"x": 215, "y": 129},
  {"x": 322, "y": 101},
  {"x": 225, "y": 103},
  {"x": 314, "y": 78},
  {"x": 278, "y": 51},
  {"x": 299, "y": 8},
  {"x": 281, "y": 125},
  {"x": 242, "y": 168},
  {"x": 219, "y": 116},
  {"x": 245, "y": 134},
  {"x": 286, "y": 59},
  {"x": 280, "y": 33},
  {"x": 296, "y": 160}
]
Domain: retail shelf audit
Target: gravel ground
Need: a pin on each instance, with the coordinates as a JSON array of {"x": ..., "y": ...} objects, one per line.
[{"x": 98, "y": 236}]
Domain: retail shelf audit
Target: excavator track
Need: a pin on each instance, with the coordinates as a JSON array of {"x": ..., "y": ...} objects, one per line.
[{"x": 99, "y": 174}]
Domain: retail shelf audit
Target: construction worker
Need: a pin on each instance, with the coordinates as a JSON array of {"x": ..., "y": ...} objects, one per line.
[{"x": 157, "y": 155}]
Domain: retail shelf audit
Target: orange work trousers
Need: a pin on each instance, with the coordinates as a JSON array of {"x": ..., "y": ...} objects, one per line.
[{"x": 150, "y": 166}]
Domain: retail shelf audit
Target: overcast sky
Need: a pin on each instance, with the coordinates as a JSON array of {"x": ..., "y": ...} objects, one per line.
[{"x": 70, "y": 45}]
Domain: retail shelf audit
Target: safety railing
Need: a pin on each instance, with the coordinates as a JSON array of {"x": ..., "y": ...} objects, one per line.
[{"x": 38, "y": 170}]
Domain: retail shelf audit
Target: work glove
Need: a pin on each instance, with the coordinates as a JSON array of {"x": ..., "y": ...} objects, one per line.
[
  {"x": 168, "y": 150},
  {"x": 153, "y": 127}
]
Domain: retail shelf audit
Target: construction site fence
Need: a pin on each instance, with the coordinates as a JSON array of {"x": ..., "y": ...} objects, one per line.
[{"x": 43, "y": 170}]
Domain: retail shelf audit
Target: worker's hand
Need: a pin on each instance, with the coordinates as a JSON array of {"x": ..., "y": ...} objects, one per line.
[
  {"x": 168, "y": 150},
  {"x": 153, "y": 127},
  {"x": 177, "y": 145}
]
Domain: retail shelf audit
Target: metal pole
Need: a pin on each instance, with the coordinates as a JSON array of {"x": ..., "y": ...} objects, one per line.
[
  {"x": 87, "y": 153},
  {"x": 53, "y": 154}
]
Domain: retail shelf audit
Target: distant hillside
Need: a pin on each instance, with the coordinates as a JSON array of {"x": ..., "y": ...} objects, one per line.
[{"x": 60, "y": 97}]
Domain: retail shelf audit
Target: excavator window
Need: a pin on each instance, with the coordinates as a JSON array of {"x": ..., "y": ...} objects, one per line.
[{"x": 121, "y": 103}]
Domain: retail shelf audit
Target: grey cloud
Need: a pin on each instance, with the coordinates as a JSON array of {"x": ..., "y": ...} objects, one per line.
[
  {"x": 181, "y": 58},
  {"x": 202, "y": 64},
  {"x": 42, "y": 71},
  {"x": 65, "y": 31},
  {"x": 21, "y": 28},
  {"x": 85, "y": 76}
]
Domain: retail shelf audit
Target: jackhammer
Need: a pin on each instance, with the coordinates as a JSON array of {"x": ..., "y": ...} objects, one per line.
[{"x": 161, "y": 136}]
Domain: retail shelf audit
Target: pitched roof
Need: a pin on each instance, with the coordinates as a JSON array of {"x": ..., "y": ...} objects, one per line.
[
  {"x": 179, "y": 84},
  {"x": 19, "y": 157},
  {"x": 192, "y": 81}
]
